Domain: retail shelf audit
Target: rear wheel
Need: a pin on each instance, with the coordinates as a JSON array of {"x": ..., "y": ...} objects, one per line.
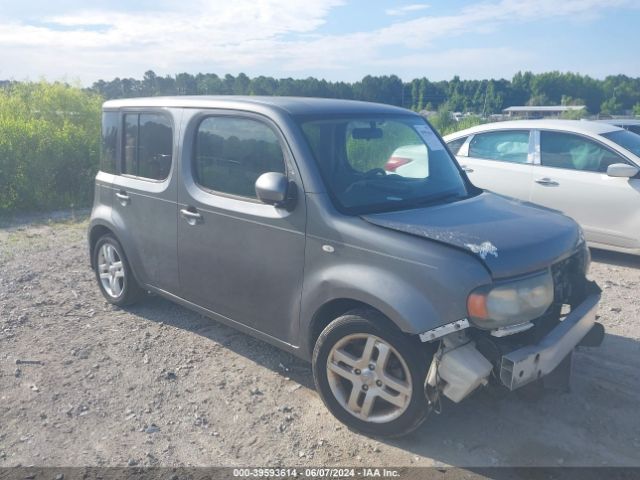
[
  {"x": 113, "y": 272},
  {"x": 371, "y": 376}
]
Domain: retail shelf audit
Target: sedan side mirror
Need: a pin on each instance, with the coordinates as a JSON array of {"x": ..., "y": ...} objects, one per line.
[
  {"x": 622, "y": 170},
  {"x": 273, "y": 188}
]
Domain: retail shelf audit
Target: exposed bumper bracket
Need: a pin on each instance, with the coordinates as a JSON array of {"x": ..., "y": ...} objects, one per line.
[{"x": 529, "y": 363}]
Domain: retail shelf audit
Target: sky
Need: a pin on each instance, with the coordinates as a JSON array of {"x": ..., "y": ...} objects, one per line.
[{"x": 86, "y": 40}]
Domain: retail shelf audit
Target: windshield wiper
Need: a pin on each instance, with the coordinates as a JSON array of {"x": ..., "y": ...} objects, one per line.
[{"x": 438, "y": 199}]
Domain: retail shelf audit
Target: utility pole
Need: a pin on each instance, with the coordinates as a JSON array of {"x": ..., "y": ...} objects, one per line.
[{"x": 484, "y": 107}]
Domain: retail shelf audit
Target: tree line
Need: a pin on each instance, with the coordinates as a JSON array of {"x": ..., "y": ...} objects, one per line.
[
  {"x": 614, "y": 95},
  {"x": 50, "y": 132}
]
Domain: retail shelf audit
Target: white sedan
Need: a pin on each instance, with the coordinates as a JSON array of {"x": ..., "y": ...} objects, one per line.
[
  {"x": 631, "y": 124},
  {"x": 411, "y": 161},
  {"x": 588, "y": 170}
]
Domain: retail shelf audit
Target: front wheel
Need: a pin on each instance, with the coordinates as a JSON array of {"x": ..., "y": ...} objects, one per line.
[{"x": 371, "y": 376}]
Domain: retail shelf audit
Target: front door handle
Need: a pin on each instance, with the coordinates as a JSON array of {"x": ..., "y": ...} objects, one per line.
[
  {"x": 466, "y": 169},
  {"x": 123, "y": 197},
  {"x": 191, "y": 216},
  {"x": 546, "y": 181}
]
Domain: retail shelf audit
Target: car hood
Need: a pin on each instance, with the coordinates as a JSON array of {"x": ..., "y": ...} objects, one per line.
[{"x": 508, "y": 236}]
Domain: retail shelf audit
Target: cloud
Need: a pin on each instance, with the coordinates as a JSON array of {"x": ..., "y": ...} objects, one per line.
[
  {"x": 220, "y": 34},
  {"x": 409, "y": 38},
  {"x": 271, "y": 37},
  {"x": 414, "y": 7}
]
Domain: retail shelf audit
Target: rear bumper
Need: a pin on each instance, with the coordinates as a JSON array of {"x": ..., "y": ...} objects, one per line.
[{"x": 532, "y": 362}]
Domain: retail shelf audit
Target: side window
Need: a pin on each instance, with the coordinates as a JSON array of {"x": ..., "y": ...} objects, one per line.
[
  {"x": 454, "y": 145},
  {"x": 147, "y": 145},
  {"x": 506, "y": 146},
  {"x": 109, "y": 146},
  {"x": 573, "y": 152},
  {"x": 231, "y": 153}
]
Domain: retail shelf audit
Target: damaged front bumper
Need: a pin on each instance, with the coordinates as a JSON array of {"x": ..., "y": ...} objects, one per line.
[
  {"x": 461, "y": 363},
  {"x": 532, "y": 362}
]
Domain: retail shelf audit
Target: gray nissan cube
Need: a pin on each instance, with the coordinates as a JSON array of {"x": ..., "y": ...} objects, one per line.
[{"x": 303, "y": 222}]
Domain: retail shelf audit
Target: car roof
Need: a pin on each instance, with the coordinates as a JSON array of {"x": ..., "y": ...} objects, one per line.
[
  {"x": 290, "y": 105},
  {"x": 620, "y": 121},
  {"x": 575, "y": 126}
]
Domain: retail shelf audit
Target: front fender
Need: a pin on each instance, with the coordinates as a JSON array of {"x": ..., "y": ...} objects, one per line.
[
  {"x": 417, "y": 284},
  {"x": 405, "y": 305}
]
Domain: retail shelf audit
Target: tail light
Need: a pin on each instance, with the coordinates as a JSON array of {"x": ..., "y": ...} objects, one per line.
[{"x": 394, "y": 162}]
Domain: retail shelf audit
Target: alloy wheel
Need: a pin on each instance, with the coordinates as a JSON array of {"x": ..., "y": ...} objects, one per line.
[
  {"x": 369, "y": 378},
  {"x": 111, "y": 270}
]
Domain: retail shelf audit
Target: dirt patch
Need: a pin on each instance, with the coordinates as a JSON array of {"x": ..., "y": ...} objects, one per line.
[{"x": 84, "y": 383}]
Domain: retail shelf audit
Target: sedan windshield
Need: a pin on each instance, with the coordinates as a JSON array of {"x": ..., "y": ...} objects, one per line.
[
  {"x": 626, "y": 139},
  {"x": 381, "y": 164}
]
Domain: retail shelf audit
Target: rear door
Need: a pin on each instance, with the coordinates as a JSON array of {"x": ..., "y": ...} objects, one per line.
[
  {"x": 572, "y": 178},
  {"x": 103, "y": 193},
  {"x": 238, "y": 257},
  {"x": 144, "y": 203},
  {"x": 500, "y": 161}
]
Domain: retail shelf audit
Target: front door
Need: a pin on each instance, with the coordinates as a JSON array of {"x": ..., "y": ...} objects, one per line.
[
  {"x": 572, "y": 178},
  {"x": 238, "y": 257}
]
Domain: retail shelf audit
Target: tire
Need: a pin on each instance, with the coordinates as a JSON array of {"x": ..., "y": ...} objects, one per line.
[
  {"x": 113, "y": 273},
  {"x": 342, "y": 368}
]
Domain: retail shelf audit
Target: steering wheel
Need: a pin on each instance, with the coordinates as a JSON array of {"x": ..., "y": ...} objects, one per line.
[{"x": 375, "y": 172}]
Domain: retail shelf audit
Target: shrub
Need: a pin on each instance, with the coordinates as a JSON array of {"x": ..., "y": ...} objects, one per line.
[
  {"x": 49, "y": 146},
  {"x": 445, "y": 124}
]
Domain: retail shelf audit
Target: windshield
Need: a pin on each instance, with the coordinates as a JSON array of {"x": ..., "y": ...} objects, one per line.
[
  {"x": 374, "y": 164},
  {"x": 626, "y": 139}
]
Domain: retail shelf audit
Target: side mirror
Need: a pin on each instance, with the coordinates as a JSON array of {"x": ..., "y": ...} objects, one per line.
[
  {"x": 622, "y": 170},
  {"x": 273, "y": 188}
]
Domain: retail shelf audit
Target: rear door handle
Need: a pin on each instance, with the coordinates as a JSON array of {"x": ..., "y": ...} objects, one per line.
[
  {"x": 191, "y": 216},
  {"x": 546, "y": 181},
  {"x": 466, "y": 169},
  {"x": 123, "y": 197}
]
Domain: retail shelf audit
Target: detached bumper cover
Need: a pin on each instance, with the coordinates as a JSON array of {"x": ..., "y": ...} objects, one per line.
[{"x": 529, "y": 363}]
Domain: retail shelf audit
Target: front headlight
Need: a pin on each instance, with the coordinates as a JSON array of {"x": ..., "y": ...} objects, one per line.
[
  {"x": 511, "y": 303},
  {"x": 587, "y": 255}
]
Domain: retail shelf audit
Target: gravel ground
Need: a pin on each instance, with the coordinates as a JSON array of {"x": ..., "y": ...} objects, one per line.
[{"x": 83, "y": 383}]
